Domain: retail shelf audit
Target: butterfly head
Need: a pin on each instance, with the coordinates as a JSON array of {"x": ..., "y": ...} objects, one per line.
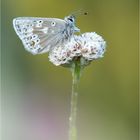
[
  {"x": 70, "y": 19},
  {"x": 71, "y": 22}
]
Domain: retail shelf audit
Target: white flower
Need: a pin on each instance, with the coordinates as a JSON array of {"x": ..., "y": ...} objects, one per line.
[{"x": 87, "y": 47}]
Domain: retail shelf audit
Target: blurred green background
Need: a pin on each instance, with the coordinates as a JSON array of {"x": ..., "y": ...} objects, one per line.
[{"x": 36, "y": 94}]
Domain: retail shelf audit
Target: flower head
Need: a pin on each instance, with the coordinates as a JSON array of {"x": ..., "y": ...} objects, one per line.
[{"x": 87, "y": 47}]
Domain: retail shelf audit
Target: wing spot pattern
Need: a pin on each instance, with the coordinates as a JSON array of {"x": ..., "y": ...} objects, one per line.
[
  {"x": 53, "y": 23},
  {"x": 37, "y": 34}
]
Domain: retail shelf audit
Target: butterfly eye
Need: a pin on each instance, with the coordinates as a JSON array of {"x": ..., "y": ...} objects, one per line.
[
  {"x": 70, "y": 19},
  {"x": 53, "y": 23}
]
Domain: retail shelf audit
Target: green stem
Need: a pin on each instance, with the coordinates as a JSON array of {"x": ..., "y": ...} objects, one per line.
[{"x": 76, "y": 71}]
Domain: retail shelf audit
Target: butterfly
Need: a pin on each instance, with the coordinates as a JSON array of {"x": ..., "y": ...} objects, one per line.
[{"x": 41, "y": 35}]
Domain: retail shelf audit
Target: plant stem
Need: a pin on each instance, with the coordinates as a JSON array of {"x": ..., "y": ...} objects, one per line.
[{"x": 76, "y": 71}]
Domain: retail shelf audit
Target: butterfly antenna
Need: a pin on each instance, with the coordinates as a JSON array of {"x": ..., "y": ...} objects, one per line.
[{"x": 79, "y": 12}]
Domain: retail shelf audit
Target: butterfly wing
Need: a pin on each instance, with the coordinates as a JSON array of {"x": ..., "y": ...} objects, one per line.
[{"x": 39, "y": 35}]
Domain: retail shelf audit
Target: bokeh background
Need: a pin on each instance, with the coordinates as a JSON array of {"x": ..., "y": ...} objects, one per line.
[{"x": 36, "y": 94}]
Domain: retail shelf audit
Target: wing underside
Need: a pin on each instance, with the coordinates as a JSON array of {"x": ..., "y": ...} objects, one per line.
[{"x": 39, "y": 35}]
